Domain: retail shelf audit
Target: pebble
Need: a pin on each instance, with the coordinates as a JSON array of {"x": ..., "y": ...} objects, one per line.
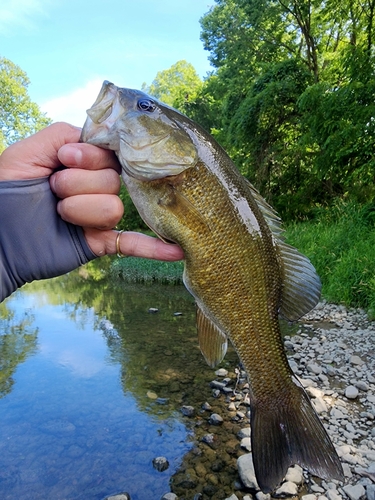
[
  {"x": 216, "y": 419},
  {"x": 356, "y": 360},
  {"x": 355, "y": 492},
  {"x": 246, "y": 443},
  {"x": 160, "y": 464},
  {"x": 169, "y": 496},
  {"x": 188, "y": 411},
  {"x": 314, "y": 368},
  {"x": 222, "y": 372},
  {"x": 246, "y": 471},
  {"x": 119, "y": 496},
  {"x": 351, "y": 392},
  {"x": 295, "y": 475},
  {"x": 287, "y": 489},
  {"x": 370, "y": 491}
]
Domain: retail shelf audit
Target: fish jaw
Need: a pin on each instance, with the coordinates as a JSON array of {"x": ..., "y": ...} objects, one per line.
[{"x": 148, "y": 145}]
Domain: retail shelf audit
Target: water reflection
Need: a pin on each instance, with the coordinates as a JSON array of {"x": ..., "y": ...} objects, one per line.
[{"x": 92, "y": 387}]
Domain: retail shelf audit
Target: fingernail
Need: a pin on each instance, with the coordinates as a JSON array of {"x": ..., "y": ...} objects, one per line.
[{"x": 70, "y": 155}]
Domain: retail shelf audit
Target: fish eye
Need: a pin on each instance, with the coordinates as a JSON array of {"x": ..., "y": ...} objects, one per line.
[{"x": 146, "y": 105}]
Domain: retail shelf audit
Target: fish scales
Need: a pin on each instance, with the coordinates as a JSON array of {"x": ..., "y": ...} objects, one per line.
[
  {"x": 250, "y": 314},
  {"x": 237, "y": 266}
]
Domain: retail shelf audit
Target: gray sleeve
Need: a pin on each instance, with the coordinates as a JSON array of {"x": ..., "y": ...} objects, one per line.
[{"x": 35, "y": 243}]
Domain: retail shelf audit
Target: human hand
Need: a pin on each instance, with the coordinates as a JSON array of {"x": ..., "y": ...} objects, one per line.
[{"x": 87, "y": 189}]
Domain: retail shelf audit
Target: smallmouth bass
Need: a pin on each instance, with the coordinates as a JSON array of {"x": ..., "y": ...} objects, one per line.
[{"x": 237, "y": 266}]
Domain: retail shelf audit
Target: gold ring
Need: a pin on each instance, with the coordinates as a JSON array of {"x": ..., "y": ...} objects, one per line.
[{"x": 118, "y": 251}]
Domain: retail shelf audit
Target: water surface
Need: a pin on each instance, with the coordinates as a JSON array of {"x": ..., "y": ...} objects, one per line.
[{"x": 91, "y": 387}]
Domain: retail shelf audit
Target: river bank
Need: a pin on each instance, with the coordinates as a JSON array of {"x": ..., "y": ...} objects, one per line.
[{"x": 332, "y": 352}]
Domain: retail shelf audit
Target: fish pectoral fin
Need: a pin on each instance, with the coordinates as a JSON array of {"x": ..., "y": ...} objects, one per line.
[
  {"x": 212, "y": 341},
  {"x": 182, "y": 208},
  {"x": 301, "y": 283}
]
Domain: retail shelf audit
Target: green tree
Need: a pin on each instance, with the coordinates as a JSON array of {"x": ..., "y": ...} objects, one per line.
[
  {"x": 291, "y": 96},
  {"x": 176, "y": 85},
  {"x": 19, "y": 116}
]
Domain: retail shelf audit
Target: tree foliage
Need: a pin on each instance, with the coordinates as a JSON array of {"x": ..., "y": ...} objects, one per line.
[
  {"x": 176, "y": 85},
  {"x": 292, "y": 95},
  {"x": 19, "y": 116}
]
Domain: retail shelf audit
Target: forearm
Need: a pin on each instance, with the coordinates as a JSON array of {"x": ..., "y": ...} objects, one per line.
[{"x": 35, "y": 243}]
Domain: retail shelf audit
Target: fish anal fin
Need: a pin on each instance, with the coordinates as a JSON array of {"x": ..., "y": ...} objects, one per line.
[
  {"x": 285, "y": 434},
  {"x": 212, "y": 341}
]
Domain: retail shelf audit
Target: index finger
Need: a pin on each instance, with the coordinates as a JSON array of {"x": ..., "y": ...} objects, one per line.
[{"x": 88, "y": 157}]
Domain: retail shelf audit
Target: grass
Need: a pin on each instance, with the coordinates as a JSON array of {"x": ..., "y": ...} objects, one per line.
[
  {"x": 136, "y": 270},
  {"x": 341, "y": 244}
]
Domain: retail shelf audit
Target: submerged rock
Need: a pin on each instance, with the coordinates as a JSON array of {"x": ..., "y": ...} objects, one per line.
[{"x": 160, "y": 464}]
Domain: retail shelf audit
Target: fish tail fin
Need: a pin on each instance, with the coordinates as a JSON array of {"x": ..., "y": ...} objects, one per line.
[{"x": 288, "y": 434}]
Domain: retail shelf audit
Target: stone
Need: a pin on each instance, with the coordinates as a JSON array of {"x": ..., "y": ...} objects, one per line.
[
  {"x": 314, "y": 368},
  {"x": 262, "y": 496},
  {"x": 355, "y": 492},
  {"x": 232, "y": 497},
  {"x": 246, "y": 471},
  {"x": 245, "y": 432},
  {"x": 362, "y": 386},
  {"x": 222, "y": 372},
  {"x": 309, "y": 497},
  {"x": 119, "y": 496},
  {"x": 319, "y": 405},
  {"x": 215, "y": 419},
  {"x": 333, "y": 495},
  {"x": 294, "y": 474},
  {"x": 288, "y": 489},
  {"x": 246, "y": 443},
  {"x": 188, "y": 411},
  {"x": 356, "y": 360},
  {"x": 215, "y": 384},
  {"x": 370, "y": 491},
  {"x": 351, "y": 392},
  {"x": 169, "y": 496},
  {"x": 315, "y": 488},
  {"x": 160, "y": 464},
  {"x": 153, "y": 310},
  {"x": 152, "y": 395}
]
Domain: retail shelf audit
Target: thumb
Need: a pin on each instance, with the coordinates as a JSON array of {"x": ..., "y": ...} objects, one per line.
[{"x": 36, "y": 156}]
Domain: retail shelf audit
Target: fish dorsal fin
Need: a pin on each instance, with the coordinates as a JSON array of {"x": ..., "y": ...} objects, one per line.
[
  {"x": 212, "y": 341},
  {"x": 301, "y": 283}
]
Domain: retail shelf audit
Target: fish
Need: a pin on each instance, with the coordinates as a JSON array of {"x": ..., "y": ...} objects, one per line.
[{"x": 237, "y": 266}]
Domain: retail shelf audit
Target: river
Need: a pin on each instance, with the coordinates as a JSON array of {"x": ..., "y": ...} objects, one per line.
[{"x": 91, "y": 388}]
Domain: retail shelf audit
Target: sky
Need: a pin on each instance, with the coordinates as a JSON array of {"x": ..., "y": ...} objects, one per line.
[{"x": 68, "y": 47}]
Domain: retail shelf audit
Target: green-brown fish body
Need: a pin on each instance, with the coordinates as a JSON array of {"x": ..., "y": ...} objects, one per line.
[{"x": 237, "y": 266}]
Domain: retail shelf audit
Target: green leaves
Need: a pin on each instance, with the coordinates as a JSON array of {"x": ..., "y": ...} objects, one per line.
[
  {"x": 176, "y": 85},
  {"x": 19, "y": 116},
  {"x": 293, "y": 96}
]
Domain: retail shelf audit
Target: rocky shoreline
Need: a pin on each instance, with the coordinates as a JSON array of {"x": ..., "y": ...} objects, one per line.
[{"x": 332, "y": 350}]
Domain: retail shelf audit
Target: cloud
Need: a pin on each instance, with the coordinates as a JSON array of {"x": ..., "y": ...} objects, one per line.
[
  {"x": 19, "y": 13},
  {"x": 72, "y": 107}
]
